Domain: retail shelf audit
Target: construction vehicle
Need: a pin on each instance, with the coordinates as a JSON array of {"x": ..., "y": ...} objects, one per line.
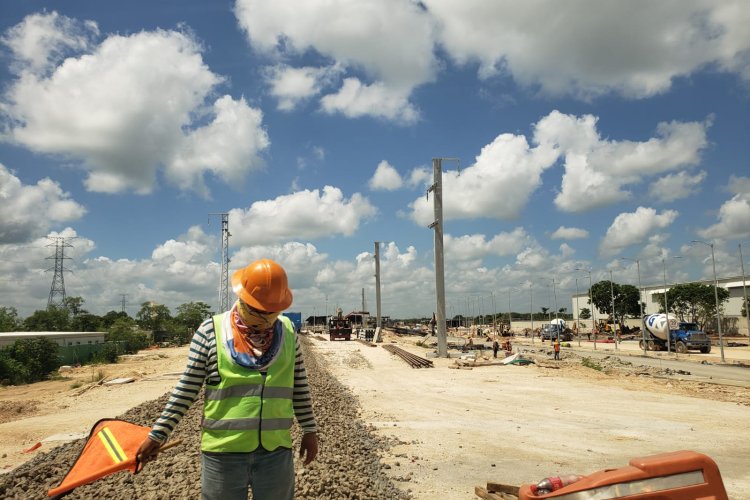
[
  {"x": 296, "y": 319},
  {"x": 339, "y": 327},
  {"x": 681, "y": 335}
]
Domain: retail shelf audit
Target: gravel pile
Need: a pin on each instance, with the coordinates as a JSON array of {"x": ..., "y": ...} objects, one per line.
[{"x": 347, "y": 467}]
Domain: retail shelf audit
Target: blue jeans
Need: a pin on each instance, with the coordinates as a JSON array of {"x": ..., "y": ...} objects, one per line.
[{"x": 227, "y": 476}]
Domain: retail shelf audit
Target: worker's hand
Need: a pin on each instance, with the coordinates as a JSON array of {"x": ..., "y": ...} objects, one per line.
[
  {"x": 149, "y": 450},
  {"x": 309, "y": 447}
]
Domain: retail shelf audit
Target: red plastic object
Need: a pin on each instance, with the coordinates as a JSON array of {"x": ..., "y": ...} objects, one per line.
[{"x": 678, "y": 475}]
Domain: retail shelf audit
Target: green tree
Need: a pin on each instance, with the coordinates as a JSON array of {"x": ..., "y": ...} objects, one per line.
[
  {"x": 53, "y": 319},
  {"x": 74, "y": 305},
  {"x": 38, "y": 356},
  {"x": 585, "y": 313},
  {"x": 626, "y": 299},
  {"x": 153, "y": 316},
  {"x": 9, "y": 321},
  {"x": 192, "y": 314},
  {"x": 112, "y": 316},
  {"x": 85, "y": 322},
  {"x": 125, "y": 332},
  {"x": 695, "y": 302}
]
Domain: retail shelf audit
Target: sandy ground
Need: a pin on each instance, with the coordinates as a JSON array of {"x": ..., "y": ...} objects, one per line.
[
  {"x": 515, "y": 424},
  {"x": 51, "y": 411},
  {"x": 453, "y": 429}
]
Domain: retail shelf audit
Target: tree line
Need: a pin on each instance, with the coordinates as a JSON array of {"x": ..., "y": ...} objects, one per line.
[
  {"x": 30, "y": 360},
  {"x": 691, "y": 302}
]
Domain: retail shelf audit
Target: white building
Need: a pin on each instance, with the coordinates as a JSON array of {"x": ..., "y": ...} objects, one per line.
[
  {"x": 61, "y": 338},
  {"x": 733, "y": 323}
]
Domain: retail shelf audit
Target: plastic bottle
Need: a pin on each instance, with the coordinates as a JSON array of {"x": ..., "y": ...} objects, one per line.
[{"x": 554, "y": 483}]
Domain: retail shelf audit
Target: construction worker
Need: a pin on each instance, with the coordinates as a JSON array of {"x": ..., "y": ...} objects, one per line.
[
  {"x": 556, "y": 345},
  {"x": 250, "y": 361}
]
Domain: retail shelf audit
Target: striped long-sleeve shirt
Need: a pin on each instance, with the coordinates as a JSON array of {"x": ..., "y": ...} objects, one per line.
[{"x": 202, "y": 368}]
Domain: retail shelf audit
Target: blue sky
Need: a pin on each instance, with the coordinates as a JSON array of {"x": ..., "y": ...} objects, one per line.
[{"x": 585, "y": 134}]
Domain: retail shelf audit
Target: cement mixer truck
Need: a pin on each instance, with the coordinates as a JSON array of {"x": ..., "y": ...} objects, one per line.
[{"x": 682, "y": 335}]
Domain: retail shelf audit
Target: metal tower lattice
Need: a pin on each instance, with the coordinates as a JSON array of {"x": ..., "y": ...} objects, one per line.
[
  {"x": 224, "y": 278},
  {"x": 57, "y": 290}
]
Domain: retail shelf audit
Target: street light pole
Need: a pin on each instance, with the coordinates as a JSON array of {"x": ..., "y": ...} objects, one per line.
[
  {"x": 614, "y": 317},
  {"x": 640, "y": 305},
  {"x": 666, "y": 302},
  {"x": 578, "y": 318},
  {"x": 494, "y": 314},
  {"x": 716, "y": 297},
  {"x": 531, "y": 310},
  {"x": 591, "y": 301},
  {"x": 744, "y": 292},
  {"x": 666, "y": 306}
]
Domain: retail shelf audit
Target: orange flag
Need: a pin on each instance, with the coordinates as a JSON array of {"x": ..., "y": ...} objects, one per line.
[{"x": 112, "y": 446}]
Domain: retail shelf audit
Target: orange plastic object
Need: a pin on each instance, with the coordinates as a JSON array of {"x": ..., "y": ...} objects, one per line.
[
  {"x": 678, "y": 475},
  {"x": 111, "y": 447}
]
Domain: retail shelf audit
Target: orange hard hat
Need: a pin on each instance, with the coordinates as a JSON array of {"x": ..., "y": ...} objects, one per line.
[{"x": 263, "y": 285}]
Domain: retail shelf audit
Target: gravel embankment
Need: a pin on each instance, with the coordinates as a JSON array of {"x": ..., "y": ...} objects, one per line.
[{"x": 348, "y": 464}]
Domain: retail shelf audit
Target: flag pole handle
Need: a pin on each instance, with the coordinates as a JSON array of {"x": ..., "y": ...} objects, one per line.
[{"x": 170, "y": 444}]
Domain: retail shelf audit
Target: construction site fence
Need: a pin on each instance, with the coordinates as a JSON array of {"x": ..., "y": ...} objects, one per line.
[{"x": 86, "y": 353}]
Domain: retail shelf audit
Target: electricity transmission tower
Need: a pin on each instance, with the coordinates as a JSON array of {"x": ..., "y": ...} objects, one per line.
[
  {"x": 57, "y": 290},
  {"x": 224, "y": 278}
]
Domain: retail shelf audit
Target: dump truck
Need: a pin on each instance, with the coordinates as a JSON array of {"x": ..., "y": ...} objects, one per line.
[
  {"x": 339, "y": 327},
  {"x": 681, "y": 335}
]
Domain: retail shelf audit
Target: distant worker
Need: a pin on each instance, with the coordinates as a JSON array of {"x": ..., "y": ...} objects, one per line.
[
  {"x": 556, "y": 345},
  {"x": 249, "y": 360},
  {"x": 495, "y": 348}
]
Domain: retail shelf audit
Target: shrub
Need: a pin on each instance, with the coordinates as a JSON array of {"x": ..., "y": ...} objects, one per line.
[
  {"x": 107, "y": 354},
  {"x": 590, "y": 363}
]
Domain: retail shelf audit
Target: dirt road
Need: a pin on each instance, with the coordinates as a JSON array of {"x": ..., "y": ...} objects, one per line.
[
  {"x": 515, "y": 424},
  {"x": 52, "y": 411},
  {"x": 450, "y": 430}
]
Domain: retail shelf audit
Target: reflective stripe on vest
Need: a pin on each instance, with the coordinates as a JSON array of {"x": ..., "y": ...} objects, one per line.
[{"x": 248, "y": 409}]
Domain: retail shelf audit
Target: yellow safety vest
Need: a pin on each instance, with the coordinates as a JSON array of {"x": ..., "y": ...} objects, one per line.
[{"x": 248, "y": 409}]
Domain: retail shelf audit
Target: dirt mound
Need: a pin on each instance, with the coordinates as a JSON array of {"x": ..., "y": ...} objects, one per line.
[
  {"x": 13, "y": 410},
  {"x": 348, "y": 464}
]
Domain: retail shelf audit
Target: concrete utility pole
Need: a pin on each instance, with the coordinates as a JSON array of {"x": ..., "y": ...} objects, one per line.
[
  {"x": 640, "y": 305},
  {"x": 614, "y": 318},
  {"x": 744, "y": 292},
  {"x": 57, "y": 290},
  {"x": 224, "y": 278},
  {"x": 437, "y": 225},
  {"x": 378, "y": 320},
  {"x": 716, "y": 296}
]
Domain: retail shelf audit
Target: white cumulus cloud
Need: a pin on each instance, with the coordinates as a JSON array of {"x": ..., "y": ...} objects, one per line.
[
  {"x": 391, "y": 41},
  {"x": 734, "y": 214},
  {"x": 569, "y": 233},
  {"x": 598, "y": 170},
  {"x": 385, "y": 178},
  {"x": 42, "y": 40},
  {"x": 588, "y": 49},
  {"x": 129, "y": 106},
  {"x": 496, "y": 186},
  {"x": 674, "y": 187},
  {"x": 307, "y": 214},
  {"x": 29, "y": 211},
  {"x": 290, "y": 86},
  {"x": 633, "y": 228}
]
